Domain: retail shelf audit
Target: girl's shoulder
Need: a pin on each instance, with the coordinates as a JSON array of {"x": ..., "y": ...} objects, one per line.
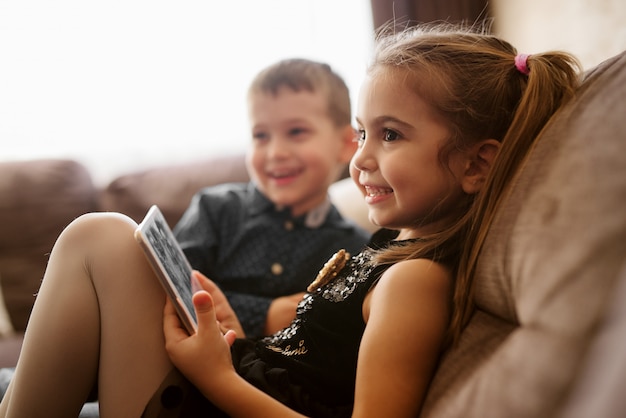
[
  {"x": 418, "y": 273},
  {"x": 411, "y": 284}
]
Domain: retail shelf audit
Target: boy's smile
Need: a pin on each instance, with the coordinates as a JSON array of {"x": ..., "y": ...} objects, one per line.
[
  {"x": 284, "y": 177},
  {"x": 297, "y": 150}
]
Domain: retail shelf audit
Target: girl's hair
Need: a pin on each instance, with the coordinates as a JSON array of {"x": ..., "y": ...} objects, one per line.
[
  {"x": 470, "y": 79},
  {"x": 300, "y": 74}
]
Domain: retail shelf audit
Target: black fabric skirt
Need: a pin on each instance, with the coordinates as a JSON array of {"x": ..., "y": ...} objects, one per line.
[{"x": 177, "y": 397}]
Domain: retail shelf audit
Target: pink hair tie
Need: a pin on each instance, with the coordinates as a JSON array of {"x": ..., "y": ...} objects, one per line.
[{"x": 521, "y": 63}]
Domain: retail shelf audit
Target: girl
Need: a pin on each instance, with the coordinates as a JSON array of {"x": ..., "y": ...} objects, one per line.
[{"x": 445, "y": 118}]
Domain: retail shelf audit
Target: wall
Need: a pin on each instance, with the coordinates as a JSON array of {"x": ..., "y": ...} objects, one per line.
[{"x": 591, "y": 29}]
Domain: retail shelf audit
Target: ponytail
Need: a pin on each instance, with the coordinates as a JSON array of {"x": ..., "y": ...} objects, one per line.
[{"x": 551, "y": 82}]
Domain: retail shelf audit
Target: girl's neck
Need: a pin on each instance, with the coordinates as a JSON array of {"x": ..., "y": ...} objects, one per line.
[{"x": 404, "y": 234}]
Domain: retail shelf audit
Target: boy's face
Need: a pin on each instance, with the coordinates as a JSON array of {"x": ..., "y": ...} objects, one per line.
[{"x": 297, "y": 150}]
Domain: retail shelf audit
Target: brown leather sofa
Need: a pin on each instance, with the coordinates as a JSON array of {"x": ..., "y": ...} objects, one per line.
[
  {"x": 548, "y": 338},
  {"x": 38, "y": 198}
]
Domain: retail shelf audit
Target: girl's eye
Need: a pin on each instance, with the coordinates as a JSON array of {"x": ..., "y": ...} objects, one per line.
[
  {"x": 360, "y": 136},
  {"x": 390, "y": 136}
]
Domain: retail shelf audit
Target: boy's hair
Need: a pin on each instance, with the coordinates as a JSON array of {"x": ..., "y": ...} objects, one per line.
[
  {"x": 300, "y": 74},
  {"x": 469, "y": 78}
]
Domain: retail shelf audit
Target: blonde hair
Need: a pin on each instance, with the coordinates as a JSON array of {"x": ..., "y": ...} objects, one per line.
[
  {"x": 472, "y": 83},
  {"x": 300, "y": 74}
]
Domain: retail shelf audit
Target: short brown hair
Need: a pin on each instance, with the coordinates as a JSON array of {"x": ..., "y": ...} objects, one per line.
[{"x": 302, "y": 74}]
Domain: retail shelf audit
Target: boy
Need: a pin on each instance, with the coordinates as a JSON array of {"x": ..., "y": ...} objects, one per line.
[{"x": 263, "y": 242}]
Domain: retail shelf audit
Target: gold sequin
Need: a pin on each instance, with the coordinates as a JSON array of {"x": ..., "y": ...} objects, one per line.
[
  {"x": 277, "y": 269},
  {"x": 330, "y": 270}
]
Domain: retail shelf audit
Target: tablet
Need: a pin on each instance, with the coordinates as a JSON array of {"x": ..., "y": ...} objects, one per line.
[{"x": 169, "y": 263}]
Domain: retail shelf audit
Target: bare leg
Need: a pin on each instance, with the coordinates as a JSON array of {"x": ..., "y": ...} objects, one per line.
[{"x": 98, "y": 316}]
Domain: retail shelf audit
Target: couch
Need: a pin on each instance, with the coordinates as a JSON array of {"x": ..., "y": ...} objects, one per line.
[
  {"x": 548, "y": 338},
  {"x": 38, "y": 198}
]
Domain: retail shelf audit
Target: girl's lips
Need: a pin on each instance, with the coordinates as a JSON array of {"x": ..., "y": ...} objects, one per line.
[
  {"x": 375, "y": 194},
  {"x": 377, "y": 191}
]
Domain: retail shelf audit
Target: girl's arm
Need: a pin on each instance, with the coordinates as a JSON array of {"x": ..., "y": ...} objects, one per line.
[
  {"x": 204, "y": 358},
  {"x": 407, "y": 315}
]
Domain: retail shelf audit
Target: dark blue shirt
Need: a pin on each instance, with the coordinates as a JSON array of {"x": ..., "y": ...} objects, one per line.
[{"x": 255, "y": 252}]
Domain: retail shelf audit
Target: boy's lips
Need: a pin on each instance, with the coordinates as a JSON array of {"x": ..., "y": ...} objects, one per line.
[{"x": 283, "y": 175}]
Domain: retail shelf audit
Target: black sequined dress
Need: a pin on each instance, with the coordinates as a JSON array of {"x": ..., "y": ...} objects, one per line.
[{"x": 310, "y": 365}]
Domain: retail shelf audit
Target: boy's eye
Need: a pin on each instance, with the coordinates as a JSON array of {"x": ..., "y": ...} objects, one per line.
[
  {"x": 260, "y": 136},
  {"x": 389, "y": 135},
  {"x": 296, "y": 131}
]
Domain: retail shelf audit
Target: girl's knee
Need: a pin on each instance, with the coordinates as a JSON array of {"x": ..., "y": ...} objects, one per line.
[
  {"x": 98, "y": 224},
  {"x": 101, "y": 244},
  {"x": 98, "y": 231}
]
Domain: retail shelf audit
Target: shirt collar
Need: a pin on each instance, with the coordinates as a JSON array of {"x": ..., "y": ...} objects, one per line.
[{"x": 313, "y": 219}]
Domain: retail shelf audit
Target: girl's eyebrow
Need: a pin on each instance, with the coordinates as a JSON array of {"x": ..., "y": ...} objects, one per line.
[{"x": 381, "y": 120}]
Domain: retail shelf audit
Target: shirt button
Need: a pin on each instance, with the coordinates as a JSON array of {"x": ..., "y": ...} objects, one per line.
[
  {"x": 277, "y": 269},
  {"x": 289, "y": 225}
]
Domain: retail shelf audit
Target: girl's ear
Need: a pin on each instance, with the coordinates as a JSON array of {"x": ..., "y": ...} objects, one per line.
[{"x": 480, "y": 160}]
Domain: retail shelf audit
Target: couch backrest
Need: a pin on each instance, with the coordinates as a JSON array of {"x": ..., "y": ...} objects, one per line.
[
  {"x": 38, "y": 198},
  {"x": 548, "y": 267}
]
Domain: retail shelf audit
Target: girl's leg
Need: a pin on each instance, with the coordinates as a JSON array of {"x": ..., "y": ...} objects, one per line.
[{"x": 97, "y": 317}]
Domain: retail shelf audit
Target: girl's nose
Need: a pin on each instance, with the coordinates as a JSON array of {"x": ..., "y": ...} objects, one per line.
[{"x": 362, "y": 160}]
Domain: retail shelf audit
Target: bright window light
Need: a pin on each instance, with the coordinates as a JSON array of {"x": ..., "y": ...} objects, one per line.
[{"x": 122, "y": 84}]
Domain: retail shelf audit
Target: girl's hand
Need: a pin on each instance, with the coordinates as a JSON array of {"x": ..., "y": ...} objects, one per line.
[
  {"x": 204, "y": 358},
  {"x": 223, "y": 312}
]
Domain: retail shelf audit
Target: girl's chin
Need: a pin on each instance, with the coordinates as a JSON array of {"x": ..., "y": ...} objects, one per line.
[
  {"x": 385, "y": 222},
  {"x": 378, "y": 221}
]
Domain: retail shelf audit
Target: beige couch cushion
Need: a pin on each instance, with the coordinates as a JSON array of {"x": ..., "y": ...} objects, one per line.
[
  {"x": 599, "y": 388},
  {"x": 38, "y": 199},
  {"x": 548, "y": 267}
]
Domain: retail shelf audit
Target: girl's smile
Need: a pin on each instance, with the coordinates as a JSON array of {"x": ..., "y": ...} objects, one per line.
[
  {"x": 397, "y": 165},
  {"x": 375, "y": 194}
]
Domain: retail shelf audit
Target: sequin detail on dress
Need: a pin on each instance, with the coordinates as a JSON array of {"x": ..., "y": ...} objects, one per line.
[
  {"x": 356, "y": 270},
  {"x": 330, "y": 270},
  {"x": 348, "y": 279}
]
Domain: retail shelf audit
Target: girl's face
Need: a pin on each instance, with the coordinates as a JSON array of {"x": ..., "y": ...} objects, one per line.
[{"x": 397, "y": 165}]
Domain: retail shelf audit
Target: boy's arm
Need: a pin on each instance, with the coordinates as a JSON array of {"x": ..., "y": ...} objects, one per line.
[
  {"x": 260, "y": 315},
  {"x": 196, "y": 234},
  {"x": 281, "y": 312}
]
